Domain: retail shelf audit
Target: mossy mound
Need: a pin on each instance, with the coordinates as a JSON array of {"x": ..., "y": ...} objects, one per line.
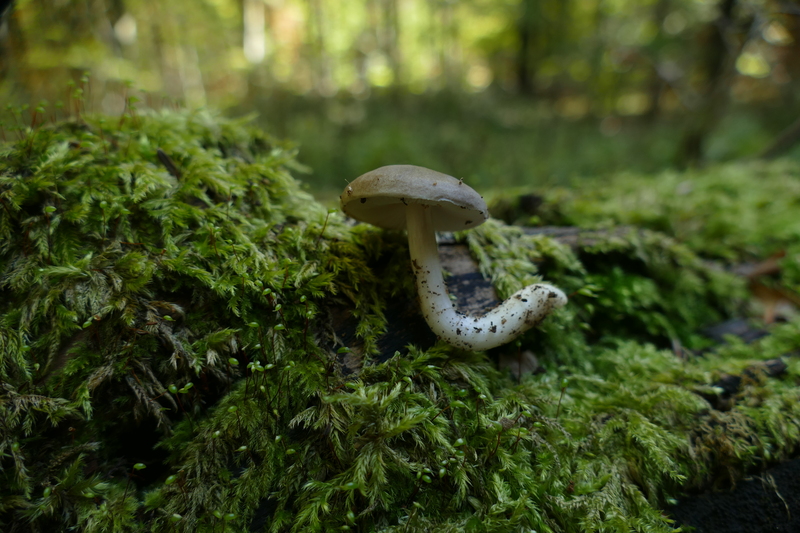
[
  {"x": 730, "y": 212},
  {"x": 169, "y": 358}
]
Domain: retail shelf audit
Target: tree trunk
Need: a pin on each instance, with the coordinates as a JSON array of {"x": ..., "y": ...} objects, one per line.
[
  {"x": 524, "y": 60},
  {"x": 719, "y": 60}
]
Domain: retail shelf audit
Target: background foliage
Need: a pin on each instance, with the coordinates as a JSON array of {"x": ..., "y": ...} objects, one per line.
[{"x": 503, "y": 92}]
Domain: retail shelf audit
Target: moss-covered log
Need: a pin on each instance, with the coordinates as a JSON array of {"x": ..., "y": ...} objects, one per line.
[{"x": 189, "y": 342}]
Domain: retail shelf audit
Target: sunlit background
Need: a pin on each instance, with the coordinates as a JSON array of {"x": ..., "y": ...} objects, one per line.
[{"x": 504, "y": 93}]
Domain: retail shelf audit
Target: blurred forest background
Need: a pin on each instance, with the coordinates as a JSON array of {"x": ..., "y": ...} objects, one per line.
[{"x": 504, "y": 93}]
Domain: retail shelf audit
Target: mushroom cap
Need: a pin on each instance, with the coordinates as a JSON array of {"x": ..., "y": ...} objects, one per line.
[{"x": 380, "y": 196}]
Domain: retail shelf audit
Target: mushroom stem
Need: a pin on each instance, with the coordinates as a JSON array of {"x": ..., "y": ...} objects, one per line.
[{"x": 505, "y": 322}]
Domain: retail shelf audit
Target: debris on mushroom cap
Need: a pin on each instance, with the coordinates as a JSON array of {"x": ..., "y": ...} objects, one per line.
[{"x": 380, "y": 196}]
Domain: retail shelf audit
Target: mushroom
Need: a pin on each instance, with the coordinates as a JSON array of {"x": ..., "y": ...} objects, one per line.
[{"x": 424, "y": 201}]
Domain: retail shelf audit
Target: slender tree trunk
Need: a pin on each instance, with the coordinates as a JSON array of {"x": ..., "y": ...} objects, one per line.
[
  {"x": 525, "y": 36},
  {"x": 719, "y": 65},
  {"x": 5, "y": 44},
  {"x": 13, "y": 49},
  {"x": 4, "y": 4},
  {"x": 655, "y": 85}
]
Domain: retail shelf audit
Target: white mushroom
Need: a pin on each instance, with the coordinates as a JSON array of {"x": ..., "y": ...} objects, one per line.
[{"x": 424, "y": 201}]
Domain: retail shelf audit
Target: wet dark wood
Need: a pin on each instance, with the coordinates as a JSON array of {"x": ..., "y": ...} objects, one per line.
[{"x": 474, "y": 293}]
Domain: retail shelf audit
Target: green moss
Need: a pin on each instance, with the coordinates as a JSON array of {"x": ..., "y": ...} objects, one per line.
[
  {"x": 168, "y": 295},
  {"x": 790, "y": 268},
  {"x": 728, "y": 211}
]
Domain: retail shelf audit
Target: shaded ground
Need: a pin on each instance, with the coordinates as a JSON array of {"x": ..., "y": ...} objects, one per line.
[{"x": 769, "y": 501}]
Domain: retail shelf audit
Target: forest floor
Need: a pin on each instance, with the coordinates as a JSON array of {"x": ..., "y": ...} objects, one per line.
[
  {"x": 765, "y": 502},
  {"x": 164, "y": 276}
]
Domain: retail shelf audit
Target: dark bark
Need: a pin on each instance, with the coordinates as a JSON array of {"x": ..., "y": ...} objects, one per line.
[
  {"x": 13, "y": 48},
  {"x": 4, "y": 5},
  {"x": 718, "y": 61},
  {"x": 656, "y": 83},
  {"x": 525, "y": 31},
  {"x": 523, "y": 74}
]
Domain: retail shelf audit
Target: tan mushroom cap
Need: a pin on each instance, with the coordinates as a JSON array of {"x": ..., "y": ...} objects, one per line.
[{"x": 380, "y": 196}]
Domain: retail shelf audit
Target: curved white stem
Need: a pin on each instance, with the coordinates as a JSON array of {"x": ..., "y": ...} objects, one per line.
[{"x": 502, "y": 324}]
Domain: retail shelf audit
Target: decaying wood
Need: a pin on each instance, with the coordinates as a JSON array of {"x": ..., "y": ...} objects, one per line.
[{"x": 472, "y": 293}]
